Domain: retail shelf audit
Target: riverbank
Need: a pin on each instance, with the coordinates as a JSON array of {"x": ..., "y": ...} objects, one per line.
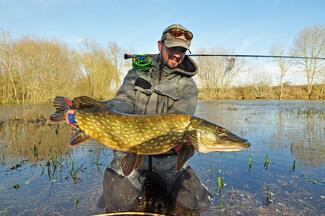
[{"x": 292, "y": 92}]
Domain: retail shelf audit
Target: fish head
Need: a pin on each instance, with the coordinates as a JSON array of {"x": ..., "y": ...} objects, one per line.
[{"x": 209, "y": 137}]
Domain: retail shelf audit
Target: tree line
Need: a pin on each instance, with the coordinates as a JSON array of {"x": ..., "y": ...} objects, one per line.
[
  {"x": 216, "y": 82},
  {"x": 36, "y": 70}
]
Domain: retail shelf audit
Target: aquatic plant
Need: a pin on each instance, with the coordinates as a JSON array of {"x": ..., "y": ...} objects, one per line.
[
  {"x": 3, "y": 160},
  {"x": 74, "y": 172},
  {"x": 96, "y": 156},
  {"x": 16, "y": 186},
  {"x": 250, "y": 163},
  {"x": 35, "y": 151},
  {"x": 16, "y": 166},
  {"x": 77, "y": 203},
  {"x": 53, "y": 163},
  {"x": 220, "y": 206},
  {"x": 220, "y": 185},
  {"x": 266, "y": 162},
  {"x": 293, "y": 166},
  {"x": 268, "y": 196}
]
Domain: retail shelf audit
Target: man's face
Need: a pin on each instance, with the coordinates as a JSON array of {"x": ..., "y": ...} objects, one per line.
[{"x": 172, "y": 57}]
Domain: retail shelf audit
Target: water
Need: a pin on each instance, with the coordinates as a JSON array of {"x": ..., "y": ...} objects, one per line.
[{"x": 40, "y": 174}]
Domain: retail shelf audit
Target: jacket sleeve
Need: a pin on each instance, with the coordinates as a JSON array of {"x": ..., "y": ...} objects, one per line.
[
  {"x": 188, "y": 100},
  {"x": 124, "y": 99}
]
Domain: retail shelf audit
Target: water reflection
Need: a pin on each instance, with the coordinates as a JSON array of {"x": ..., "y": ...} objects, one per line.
[
  {"x": 297, "y": 128},
  {"x": 31, "y": 141},
  {"x": 65, "y": 184},
  {"x": 303, "y": 132},
  {"x": 310, "y": 149},
  {"x": 41, "y": 174},
  {"x": 292, "y": 126}
]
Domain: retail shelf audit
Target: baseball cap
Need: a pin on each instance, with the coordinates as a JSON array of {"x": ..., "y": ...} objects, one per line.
[{"x": 177, "y": 35}]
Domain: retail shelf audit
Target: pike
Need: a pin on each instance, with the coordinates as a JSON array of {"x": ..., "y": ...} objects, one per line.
[{"x": 139, "y": 135}]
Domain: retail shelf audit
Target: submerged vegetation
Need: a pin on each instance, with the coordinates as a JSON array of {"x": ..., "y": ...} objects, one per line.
[
  {"x": 266, "y": 162},
  {"x": 37, "y": 162}
]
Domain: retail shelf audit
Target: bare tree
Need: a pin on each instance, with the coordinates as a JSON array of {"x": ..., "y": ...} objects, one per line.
[
  {"x": 311, "y": 42},
  {"x": 233, "y": 67},
  {"x": 45, "y": 69},
  {"x": 36, "y": 70},
  {"x": 211, "y": 70},
  {"x": 216, "y": 73},
  {"x": 98, "y": 70},
  {"x": 261, "y": 83},
  {"x": 283, "y": 65},
  {"x": 33, "y": 70},
  {"x": 116, "y": 55},
  {"x": 7, "y": 62}
]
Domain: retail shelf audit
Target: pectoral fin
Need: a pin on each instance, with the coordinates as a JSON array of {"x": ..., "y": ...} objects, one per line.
[
  {"x": 77, "y": 136},
  {"x": 128, "y": 163},
  {"x": 185, "y": 152}
]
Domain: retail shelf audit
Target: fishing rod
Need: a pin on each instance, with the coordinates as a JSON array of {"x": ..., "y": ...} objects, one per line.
[
  {"x": 144, "y": 61},
  {"x": 128, "y": 56},
  {"x": 260, "y": 56}
]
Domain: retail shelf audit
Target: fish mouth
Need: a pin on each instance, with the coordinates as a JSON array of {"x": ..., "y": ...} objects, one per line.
[
  {"x": 228, "y": 143},
  {"x": 224, "y": 147},
  {"x": 225, "y": 142}
]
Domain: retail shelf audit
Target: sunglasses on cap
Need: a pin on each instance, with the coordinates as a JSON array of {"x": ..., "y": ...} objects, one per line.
[{"x": 177, "y": 33}]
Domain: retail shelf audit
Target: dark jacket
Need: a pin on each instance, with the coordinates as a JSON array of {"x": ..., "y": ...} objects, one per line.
[{"x": 159, "y": 90}]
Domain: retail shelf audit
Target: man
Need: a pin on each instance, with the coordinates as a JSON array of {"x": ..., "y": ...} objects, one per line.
[{"x": 167, "y": 87}]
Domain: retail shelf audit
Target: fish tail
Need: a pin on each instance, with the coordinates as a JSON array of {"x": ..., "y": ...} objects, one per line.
[{"x": 62, "y": 105}]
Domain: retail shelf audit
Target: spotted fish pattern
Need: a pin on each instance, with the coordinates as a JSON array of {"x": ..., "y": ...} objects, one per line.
[{"x": 143, "y": 134}]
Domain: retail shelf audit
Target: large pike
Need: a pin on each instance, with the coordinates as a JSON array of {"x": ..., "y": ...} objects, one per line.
[{"x": 139, "y": 135}]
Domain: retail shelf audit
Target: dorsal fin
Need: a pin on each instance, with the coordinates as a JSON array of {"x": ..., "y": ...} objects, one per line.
[{"x": 85, "y": 102}]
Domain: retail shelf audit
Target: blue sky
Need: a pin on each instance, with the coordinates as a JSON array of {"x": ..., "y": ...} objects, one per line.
[
  {"x": 247, "y": 27},
  {"x": 244, "y": 27}
]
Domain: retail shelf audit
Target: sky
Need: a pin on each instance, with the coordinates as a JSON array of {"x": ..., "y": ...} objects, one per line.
[{"x": 244, "y": 27}]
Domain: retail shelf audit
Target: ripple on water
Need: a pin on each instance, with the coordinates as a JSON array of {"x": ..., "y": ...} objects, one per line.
[{"x": 54, "y": 178}]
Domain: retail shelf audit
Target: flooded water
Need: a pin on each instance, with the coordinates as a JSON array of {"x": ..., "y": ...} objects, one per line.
[{"x": 282, "y": 173}]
